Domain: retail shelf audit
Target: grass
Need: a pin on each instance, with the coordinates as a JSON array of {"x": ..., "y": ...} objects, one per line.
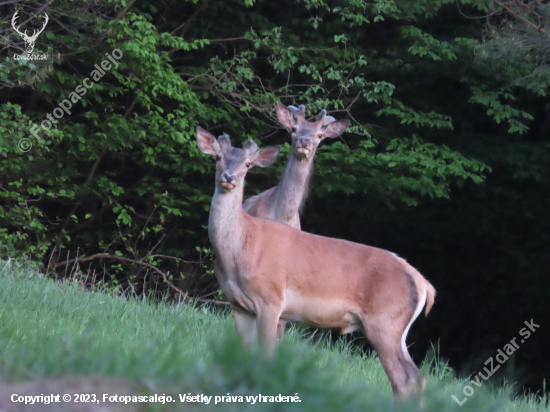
[{"x": 54, "y": 330}]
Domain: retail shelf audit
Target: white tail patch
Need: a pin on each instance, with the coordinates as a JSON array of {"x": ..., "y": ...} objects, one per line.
[{"x": 419, "y": 306}]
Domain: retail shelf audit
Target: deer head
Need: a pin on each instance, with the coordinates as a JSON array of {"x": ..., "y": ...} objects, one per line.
[
  {"x": 306, "y": 136},
  {"x": 233, "y": 163},
  {"x": 29, "y": 40}
]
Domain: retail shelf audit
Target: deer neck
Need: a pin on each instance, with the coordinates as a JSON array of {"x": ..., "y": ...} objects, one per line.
[
  {"x": 226, "y": 224},
  {"x": 291, "y": 192}
]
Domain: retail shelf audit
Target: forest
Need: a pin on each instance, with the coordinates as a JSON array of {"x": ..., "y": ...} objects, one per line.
[{"x": 445, "y": 162}]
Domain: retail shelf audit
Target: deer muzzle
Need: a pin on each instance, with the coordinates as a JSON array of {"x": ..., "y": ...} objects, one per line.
[
  {"x": 228, "y": 182},
  {"x": 303, "y": 147}
]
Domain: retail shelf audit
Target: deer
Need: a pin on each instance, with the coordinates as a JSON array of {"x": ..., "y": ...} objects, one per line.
[
  {"x": 29, "y": 40},
  {"x": 270, "y": 271},
  {"x": 284, "y": 202}
]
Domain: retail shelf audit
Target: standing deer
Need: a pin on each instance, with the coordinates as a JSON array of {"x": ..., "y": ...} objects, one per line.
[
  {"x": 29, "y": 40},
  {"x": 284, "y": 201},
  {"x": 271, "y": 271}
]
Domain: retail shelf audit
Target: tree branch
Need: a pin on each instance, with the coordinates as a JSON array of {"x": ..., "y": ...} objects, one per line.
[
  {"x": 518, "y": 16},
  {"x": 123, "y": 11},
  {"x": 138, "y": 262}
]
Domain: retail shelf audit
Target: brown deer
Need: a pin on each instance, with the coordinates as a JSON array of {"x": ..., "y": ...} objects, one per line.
[
  {"x": 283, "y": 202},
  {"x": 271, "y": 271}
]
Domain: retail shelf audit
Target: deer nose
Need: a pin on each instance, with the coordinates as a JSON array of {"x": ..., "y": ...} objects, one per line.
[
  {"x": 228, "y": 177},
  {"x": 304, "y": 142}
]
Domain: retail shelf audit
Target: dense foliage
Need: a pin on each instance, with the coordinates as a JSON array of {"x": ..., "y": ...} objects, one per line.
[{"x": 438, "y": 95}]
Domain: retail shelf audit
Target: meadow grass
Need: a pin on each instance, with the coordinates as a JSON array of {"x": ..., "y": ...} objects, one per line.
[{"x": 57, "y": 329}]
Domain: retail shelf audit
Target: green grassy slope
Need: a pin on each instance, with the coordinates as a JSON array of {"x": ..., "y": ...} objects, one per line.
[{"x": 53, "y": 329}]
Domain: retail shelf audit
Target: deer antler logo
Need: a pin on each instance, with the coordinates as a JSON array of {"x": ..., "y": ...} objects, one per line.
[{"x": 29, "y": 40}]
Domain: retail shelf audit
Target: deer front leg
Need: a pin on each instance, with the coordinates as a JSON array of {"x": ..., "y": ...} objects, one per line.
[
  {"x": 246, "y": 327},
  {"x": 281, "y": 325},
  {"x": 267, "y": 322}
]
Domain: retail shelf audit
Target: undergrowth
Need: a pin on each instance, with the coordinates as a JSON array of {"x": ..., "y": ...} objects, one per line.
[{"x": 50, "y": 329}]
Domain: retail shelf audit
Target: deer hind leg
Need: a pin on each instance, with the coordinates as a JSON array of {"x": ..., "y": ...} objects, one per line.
[
  {"x": 404, "y": 376},
  {"x": 418, "y": 389}
]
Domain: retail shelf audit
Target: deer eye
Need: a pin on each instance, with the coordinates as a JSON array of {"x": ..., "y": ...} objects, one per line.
[
  {"x": 218, "y": 158},
  {"x": 293, "y": 130},
  {"x": 320, "y": 135},
  {"x": 247, "y": 165}
]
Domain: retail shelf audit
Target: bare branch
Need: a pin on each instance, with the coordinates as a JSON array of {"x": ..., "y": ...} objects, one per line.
[
  {"x": 141, "y": 263},
  {"x": 519, "y": 17}
]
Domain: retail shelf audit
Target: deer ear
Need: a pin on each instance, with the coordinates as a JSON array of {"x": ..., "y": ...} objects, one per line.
[
  {"x": 207, "y": 142},
  {"x": 285, "y": 116},
  {"x": 336, "y": 128},
  {"x": 266, "y": 156}
]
